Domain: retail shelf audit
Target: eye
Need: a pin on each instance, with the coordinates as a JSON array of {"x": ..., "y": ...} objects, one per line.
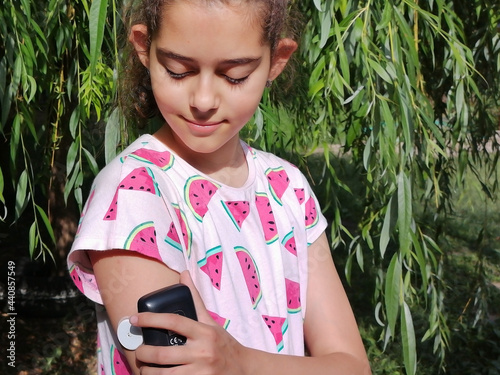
[
  {"x": 235, "y": 81},
  {"x": 176, "y": 75}
]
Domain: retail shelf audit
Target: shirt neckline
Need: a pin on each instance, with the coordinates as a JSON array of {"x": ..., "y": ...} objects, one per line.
[{"x": 247, "y": 150}]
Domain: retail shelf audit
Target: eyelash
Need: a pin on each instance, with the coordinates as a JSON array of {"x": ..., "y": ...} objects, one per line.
[{"x": 233, "y": 81}]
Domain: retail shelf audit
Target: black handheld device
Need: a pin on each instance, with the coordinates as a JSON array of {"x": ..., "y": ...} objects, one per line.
[{"x": 174, "y": 299}]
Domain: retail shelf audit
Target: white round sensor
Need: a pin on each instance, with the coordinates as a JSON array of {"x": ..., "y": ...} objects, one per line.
[{"x": 129, "y": 336}]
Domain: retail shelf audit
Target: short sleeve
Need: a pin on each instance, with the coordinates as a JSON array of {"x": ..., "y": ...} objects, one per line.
[
  {"x": 315, "y": 221},
  {"x": 126, "y": 210}
]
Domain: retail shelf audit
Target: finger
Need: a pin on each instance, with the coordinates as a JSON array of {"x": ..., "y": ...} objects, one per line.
[
  {"x": 154, "y": 356},
  {"x": 188, "y": 369},
  {"x": 173, "y": 322},
  {"x": 201, "y": 310}
]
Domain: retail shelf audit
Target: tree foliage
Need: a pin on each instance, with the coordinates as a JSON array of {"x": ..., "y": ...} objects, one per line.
[{"x": 407, "y": 90}]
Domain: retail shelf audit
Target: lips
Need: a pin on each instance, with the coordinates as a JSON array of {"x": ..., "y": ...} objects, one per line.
[
  {"x": 201, "y": 123},
  {"x": 203, "y": 128}
]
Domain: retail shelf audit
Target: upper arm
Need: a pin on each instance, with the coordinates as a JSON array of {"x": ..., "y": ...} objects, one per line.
[
  {"x": 123, "y": 277},
  {"x": 329, "y": 322}
]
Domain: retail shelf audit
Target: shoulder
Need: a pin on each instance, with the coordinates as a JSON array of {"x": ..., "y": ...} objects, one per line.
[
  {"x": 144, "y": 152},
  {"x": 274, "y": 167}
]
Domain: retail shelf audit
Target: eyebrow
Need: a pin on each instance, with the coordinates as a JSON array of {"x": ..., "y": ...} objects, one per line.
[{"x": 237, "y": 61}]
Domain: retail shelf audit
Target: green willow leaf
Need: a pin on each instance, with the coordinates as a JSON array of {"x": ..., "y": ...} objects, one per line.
[
  {"x": 404, "y": 213},
  {"x": 317, "y": 4},
  {"x": 46, "y": 222},
  {"x": 74, "y": 121},
  {"x": 97, "y": 23},
  {"x": 408, "y": 340},
  {"x": 22, "y": 194},
  {"x": 72, "y": 155},
  {"x": 390, "y": 220},
  {"x": 92, "y": 162},
  {"x": 32, "y": 239},
  {"x": 380, "y": 71},
  {"x": 393, "y": 291}
]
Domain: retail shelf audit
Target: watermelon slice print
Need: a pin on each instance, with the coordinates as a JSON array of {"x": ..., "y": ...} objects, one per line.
[
  {"x": 278, "y": 327},
  {"x": 237, "y": 211},
  {"x": 173, "y": 238},
  {"x": 223, "y": 322},
  {"x": 311, "y": 217},
  {"x": 119, "y": 364},
  {"x": 73, "y": 271},
  {"x": 250, "y": 273},
  {"x": 300, "y": 194},
  {"x": 163, "y": 159},
  {"x": 112, "y": 210},
  {"x": 143, "y": 240},
  {"x": 266, "y": 217},
  {"x": 140, "y": 179},
  {"x": 187, "y": 235},
  {"x": 289, "y": 243},
  {"x": 197, "y": 193},
  {"x": 278, "y": 182},
  {"x": 293, "y": 296},
  {"x": 212, "y": 265}
]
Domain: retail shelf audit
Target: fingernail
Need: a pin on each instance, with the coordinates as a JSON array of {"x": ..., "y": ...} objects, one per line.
[{"x": 133, "y": 319}]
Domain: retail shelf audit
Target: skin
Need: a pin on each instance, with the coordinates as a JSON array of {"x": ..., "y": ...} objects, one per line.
[{"x": 197, "y": 85}]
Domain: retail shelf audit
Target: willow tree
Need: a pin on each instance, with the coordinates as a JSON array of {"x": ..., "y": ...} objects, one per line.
[
  {"x": 409, "y": 90},
  {"x": 405, "y": 91}
]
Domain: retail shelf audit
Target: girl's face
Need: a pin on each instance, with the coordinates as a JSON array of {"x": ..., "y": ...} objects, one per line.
[{"x": 208, "y": 69}]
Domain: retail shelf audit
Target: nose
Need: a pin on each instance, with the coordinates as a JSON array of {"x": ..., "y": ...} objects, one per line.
[{"x": 204, "y": 96}]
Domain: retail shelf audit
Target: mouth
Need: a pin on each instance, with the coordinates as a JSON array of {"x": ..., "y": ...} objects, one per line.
[{"x": 203, "y": 124}]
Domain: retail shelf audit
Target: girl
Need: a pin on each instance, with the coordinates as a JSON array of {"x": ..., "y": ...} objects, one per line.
[{"x": 194, "y": 204}]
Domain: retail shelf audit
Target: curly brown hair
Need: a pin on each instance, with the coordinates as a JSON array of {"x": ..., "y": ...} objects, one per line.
[{"x": 135, "y": 96}]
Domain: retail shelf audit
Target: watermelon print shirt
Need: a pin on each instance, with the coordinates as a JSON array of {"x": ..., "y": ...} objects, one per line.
[{"x": 246, "y": 248}]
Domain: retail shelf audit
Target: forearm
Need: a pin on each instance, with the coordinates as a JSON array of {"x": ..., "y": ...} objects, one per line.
[{"x": 256, "y": 362}]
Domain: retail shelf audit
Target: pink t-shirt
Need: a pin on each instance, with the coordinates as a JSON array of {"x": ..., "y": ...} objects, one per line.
[{"x": 245, "y": 248}]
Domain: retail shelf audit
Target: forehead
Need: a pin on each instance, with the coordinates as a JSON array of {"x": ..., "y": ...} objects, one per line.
[{"x": 201, "y": 28}]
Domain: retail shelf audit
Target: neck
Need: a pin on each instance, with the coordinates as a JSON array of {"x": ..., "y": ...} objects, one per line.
[{"x": 226, "y": 165}]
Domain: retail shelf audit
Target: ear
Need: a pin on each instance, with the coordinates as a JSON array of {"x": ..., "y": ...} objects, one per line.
[
  {"x": 284, "y": 50},
  {"x": 139, "y": 39}
]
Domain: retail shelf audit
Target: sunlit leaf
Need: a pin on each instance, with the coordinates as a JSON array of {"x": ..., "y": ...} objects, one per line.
[
  {"x": 97, "y": 23},
  {"x": 408, "y": 340},
  {"x": 393, "y": 291}
]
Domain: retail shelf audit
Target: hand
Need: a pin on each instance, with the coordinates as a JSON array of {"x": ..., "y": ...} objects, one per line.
[{"x": 209, "y": 349}]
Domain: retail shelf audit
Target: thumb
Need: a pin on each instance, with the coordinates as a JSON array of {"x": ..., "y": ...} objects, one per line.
[{"x": 202, "y": 312}]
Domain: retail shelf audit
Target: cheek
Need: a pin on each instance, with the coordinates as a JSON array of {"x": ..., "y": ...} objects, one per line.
[
  {"x": 167, "y": 95},
  {"x": 247, "y": 102}
]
